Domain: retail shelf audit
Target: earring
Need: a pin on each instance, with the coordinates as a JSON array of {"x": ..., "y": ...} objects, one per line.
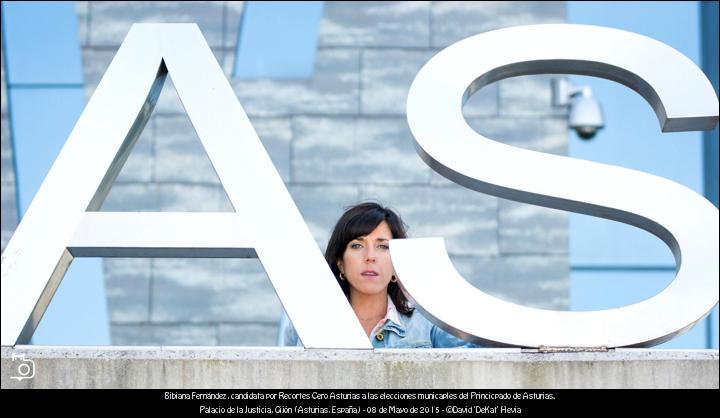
[
  {"x": 393, "y": 279},
  {"x": 342, "y": 276}
]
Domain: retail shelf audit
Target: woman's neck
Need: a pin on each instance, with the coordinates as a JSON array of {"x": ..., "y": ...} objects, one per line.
[{"x": 369, "y": 307}]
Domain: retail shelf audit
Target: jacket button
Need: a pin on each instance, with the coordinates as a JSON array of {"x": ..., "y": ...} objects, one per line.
[{"x": 379, "y": 336}]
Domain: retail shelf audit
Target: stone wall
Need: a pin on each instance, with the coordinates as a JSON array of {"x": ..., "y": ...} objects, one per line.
[{"x": 295, "y": 367}]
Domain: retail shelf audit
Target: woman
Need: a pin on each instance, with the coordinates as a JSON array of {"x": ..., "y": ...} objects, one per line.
[{"x": 358, "y": 254}]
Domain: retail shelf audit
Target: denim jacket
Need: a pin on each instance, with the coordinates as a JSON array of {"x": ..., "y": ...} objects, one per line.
[{"x": 400, "y": 331}]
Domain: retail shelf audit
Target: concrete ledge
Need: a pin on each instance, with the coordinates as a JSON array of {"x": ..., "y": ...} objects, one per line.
[{"x": 295, "y": 367}]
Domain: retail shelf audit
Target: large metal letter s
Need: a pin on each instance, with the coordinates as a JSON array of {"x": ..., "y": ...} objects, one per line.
[{"x": 683, "y": 100}]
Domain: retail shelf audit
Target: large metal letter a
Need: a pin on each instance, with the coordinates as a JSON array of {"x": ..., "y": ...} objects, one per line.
[{"x": 63, "y": 220}]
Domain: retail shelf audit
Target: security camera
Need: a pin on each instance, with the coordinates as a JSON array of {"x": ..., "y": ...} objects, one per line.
[{"x": 585, "y": 116}]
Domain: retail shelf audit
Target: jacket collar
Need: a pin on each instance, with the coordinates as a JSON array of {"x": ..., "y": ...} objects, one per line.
[{"x": 393, "y": 322}]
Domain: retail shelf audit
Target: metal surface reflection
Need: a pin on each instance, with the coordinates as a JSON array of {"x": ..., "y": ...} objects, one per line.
[{"x": 683, "y": 99}]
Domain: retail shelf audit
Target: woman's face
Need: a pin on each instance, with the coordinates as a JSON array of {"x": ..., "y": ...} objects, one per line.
[{"x": 366, "y": 262}]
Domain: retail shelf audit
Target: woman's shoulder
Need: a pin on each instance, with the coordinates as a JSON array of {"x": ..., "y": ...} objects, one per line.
[
  {"x": 415, "y": 319},
  {"x": 418, "y": 327}
]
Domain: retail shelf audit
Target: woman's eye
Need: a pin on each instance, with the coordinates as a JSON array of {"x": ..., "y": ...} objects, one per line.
[
  {"x": 355, "y": 246},
  {"x": 383, "y": 246}
]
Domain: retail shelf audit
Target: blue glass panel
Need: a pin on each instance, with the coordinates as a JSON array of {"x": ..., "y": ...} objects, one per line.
[
  {"x": 77, "y": 314},
  {"x": 594, "y": 290},
  {"x": 46, "y": 98},
  {"x": 41, "y": 42},
  {"x": 278, "y": 39}
]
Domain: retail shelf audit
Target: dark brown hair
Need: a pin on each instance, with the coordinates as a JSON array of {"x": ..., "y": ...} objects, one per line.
[{"x": 361, "y": 220}]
